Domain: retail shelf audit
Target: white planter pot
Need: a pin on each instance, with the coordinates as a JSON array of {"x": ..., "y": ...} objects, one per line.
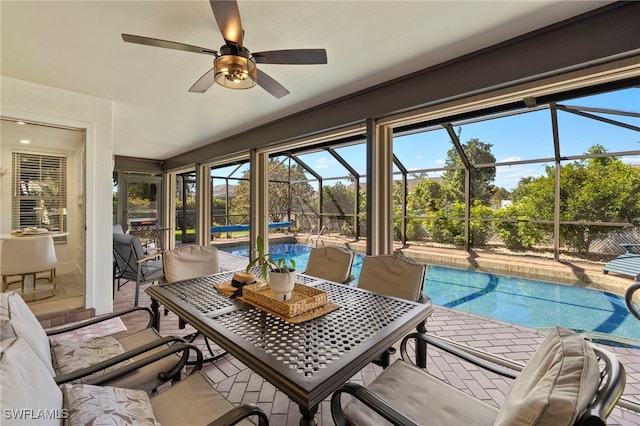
[{"x": 282, "y": 284}]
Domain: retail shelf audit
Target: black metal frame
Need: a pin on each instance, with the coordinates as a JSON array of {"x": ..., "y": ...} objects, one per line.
[
  {"x": 629, "y": 299},
  {"x": 229, "y": 418},
  {"x": 172, "y": 374}
]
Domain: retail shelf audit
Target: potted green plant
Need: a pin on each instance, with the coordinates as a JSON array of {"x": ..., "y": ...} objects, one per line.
[{"x": 279, "y": 273}]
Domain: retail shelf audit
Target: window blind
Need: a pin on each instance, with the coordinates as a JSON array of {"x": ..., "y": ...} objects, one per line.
[{"x": 39, "y": 191}]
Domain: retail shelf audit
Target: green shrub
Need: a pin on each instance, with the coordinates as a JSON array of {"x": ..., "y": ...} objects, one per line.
[{"x": 416, "y": 230}]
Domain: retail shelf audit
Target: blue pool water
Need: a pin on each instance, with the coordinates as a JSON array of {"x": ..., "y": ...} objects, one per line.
[{"x": 520, "y": 301}]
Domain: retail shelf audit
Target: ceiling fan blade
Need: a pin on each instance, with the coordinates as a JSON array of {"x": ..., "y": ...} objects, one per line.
[
  {"x": 292, "y": 56},
  {"x": 270, "y": 85},
  {"x": 204, "y": 83},
  {"x": 147, "y": 41},
  {"x": 228, "y": 18}
]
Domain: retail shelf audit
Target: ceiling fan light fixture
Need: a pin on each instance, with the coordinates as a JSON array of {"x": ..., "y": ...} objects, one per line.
[{"x": 235, "y": 72}]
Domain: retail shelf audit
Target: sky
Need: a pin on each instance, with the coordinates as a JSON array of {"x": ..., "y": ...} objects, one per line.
[{"x": 526, "y": 136}]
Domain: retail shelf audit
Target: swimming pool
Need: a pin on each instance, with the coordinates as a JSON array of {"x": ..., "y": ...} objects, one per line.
[{"x": 520, "y": 301}]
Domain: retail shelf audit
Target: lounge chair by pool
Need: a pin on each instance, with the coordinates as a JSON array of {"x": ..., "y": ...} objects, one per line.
[{"x": 626, "y": 264}]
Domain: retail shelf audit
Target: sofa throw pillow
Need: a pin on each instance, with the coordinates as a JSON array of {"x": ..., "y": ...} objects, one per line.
[
  {"x": 26, "y": 326},
  {"x": 29, "y": 395}
]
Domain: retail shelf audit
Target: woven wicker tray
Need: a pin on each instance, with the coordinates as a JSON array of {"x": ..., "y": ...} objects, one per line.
[{"x": 303, "y": 299}]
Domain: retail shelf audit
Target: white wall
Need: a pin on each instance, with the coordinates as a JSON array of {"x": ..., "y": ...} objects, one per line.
[{"x": 32, "y": 102}]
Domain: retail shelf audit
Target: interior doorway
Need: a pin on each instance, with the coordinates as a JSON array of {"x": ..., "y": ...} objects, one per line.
[
  {"x": 140, "y": 211},
  {"x": 43, "y": 179}
]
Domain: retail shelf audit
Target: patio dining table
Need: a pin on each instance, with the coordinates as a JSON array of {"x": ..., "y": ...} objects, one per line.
[{"x": 307, "y": 361}]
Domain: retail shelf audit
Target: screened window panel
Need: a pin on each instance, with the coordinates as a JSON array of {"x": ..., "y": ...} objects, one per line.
[{"x": 39, "y": 196}]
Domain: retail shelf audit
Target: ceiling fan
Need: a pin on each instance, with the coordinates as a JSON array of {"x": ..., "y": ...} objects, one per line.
[{"x": 234, "y": 66}]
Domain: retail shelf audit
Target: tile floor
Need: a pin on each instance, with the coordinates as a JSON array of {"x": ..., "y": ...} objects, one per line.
[{"x": 241, "y": 385}]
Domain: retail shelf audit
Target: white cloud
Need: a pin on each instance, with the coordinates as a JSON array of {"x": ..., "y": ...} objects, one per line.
[
  {"x": 509, "y": 159},
  {"x": 325, "y": 163},
  {"x": 635, "y": 160}
]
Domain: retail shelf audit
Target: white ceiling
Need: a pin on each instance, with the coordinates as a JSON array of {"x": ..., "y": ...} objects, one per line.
[
  {"x": 76, "y": 45},
  {"x": 39, "y": 136}
]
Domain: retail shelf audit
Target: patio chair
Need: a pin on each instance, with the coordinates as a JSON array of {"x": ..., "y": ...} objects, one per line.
[
  {"x": 192, "y": 401},
  {"x": 134, "y": 264},
  {"x": 117, "y": 229},
  {"x": 568, "y": 381},
  {"x": 397, "y": 276},
  {"x": 330, "y": 263},
  {"x": 74, "y": 359},
  {"x": 190, "y": 261},
  {"x": 187, "y": 262}
]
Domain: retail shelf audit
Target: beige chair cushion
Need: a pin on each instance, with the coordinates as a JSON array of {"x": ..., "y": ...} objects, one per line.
[
  {"x": 330, "y": 263},
  {"x": 73, "y": 355},
  {"x": 98, "y": 405},
  {"x": 555, "y": 386},
  {"x": 190, "y": 262},
  {"x": 26, "y": 326},
  {"x": 193, "y": 401},
  {"x": 390, "y": 275},
  {"x": 28, "y": 386},
  {"x": 423, "y": 398},
  {"x": 144, "y": 378}
]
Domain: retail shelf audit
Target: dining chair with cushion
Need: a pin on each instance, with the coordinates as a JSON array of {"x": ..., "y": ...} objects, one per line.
[
  {"x": 393, "y": 275},
  {"x": 133, "y": 264},
  {"x": 27, "y": 257},
  {"x": 190, "y": 261},
  {"x": 396, "y": 276},
  {"x": 568, "y": 381},
  {"x": 74, "y": 359},
  {"x": 187, "y": 262},
  {"x": 330, "y": 263}
]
